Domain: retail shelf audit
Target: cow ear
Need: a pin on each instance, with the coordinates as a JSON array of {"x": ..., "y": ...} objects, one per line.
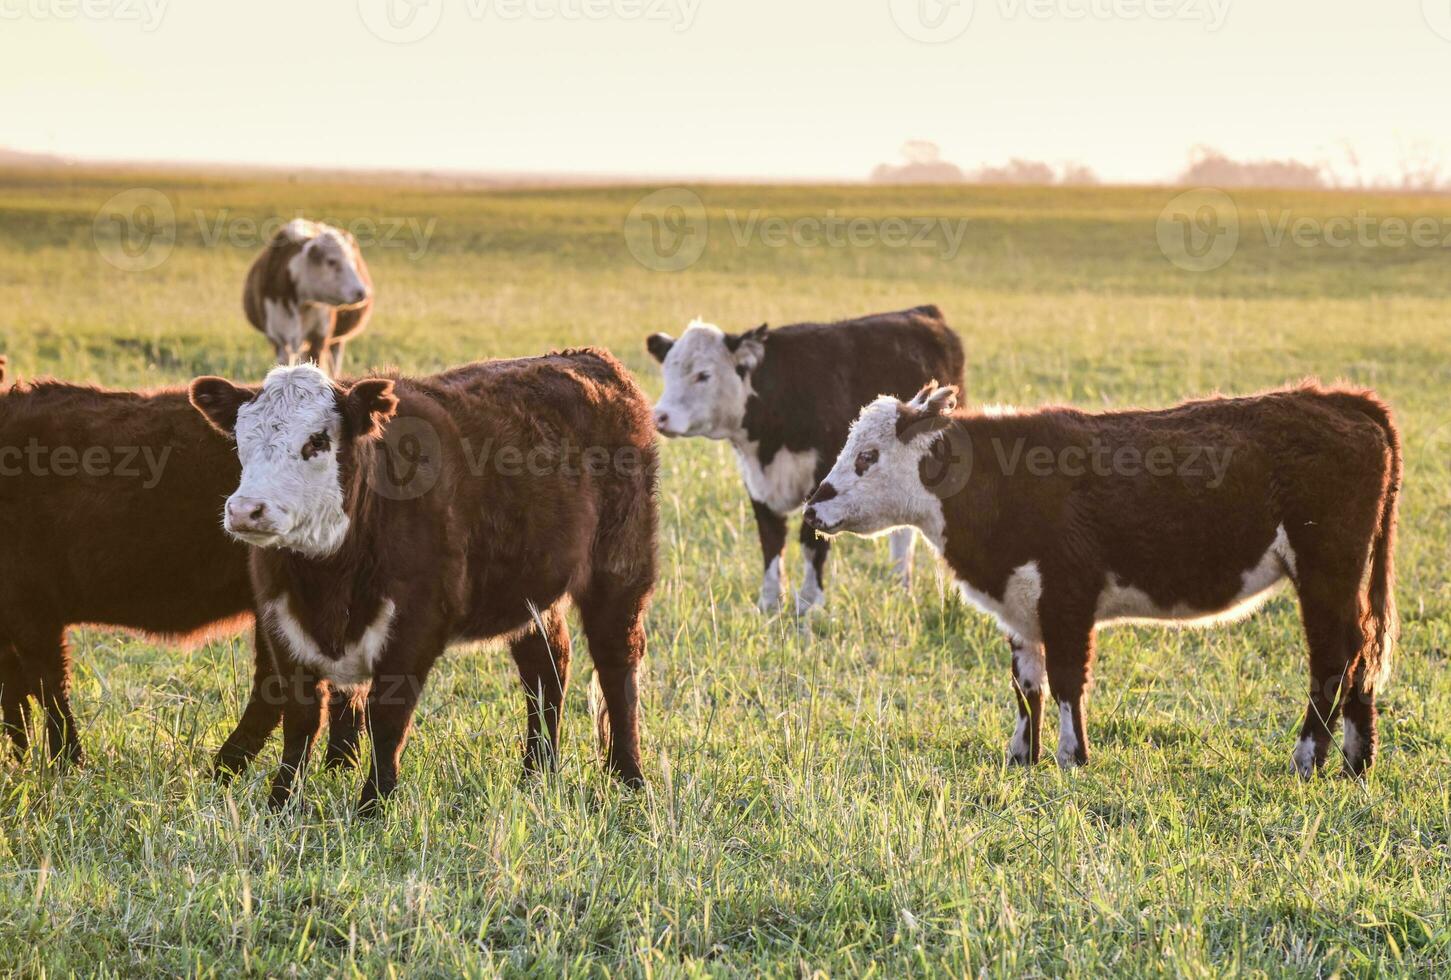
[
  {"x": 942, "y": 401},
  {"x": 749, "y": 348},
  {"x": 928, "y": 412},
  {"x": 219, "y": 401},
  {"x": 659, "y": 344},
  {"x": 368, "y": 406}
]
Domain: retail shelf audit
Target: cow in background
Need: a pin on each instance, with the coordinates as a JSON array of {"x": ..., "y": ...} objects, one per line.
[
  {"x": 310, "y": 292},
  {"x": 784, "y": 399}
]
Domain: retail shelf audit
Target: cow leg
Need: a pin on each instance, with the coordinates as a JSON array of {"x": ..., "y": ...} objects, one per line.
[
  {"x": 301, "y": 721},
  {"x": 1068, "y": 655},
  {"x": 346, "y": 722},
  {"x": 902, "y": 541},
  {"x": 1361, "y": 737},
  {"x": 14, "y": 701},
  {"x": 391, "y": 702},
  {"x": 43, "y": 657},
  {"x": 542, "y": 656},
  {"x": 261, "y": 715},
  {"x": 814, "y": 549},
  {"x": 1025, "y": 749},
  {"x": 335, "y": 369},
  {"x": 613, "y": 614},
  {"x": 771, "y": 526},
  {"x": 1333, "y": 635},
  {"x": 317, "y": 353}
]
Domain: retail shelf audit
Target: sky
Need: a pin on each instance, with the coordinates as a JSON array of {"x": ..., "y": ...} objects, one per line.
[{"x": 760, "y": 89}]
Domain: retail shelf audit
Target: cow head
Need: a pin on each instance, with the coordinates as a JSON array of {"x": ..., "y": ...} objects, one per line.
[
  {"x": 326, "y": 268},
  {"x": 297, "y": 439},
  {"x": 876, "y": 483},
  {"x": 707, "y": 379}
]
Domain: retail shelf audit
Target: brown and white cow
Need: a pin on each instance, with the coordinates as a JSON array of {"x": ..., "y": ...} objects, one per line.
[
  {"x": 1058, "y": 522},
  {"x": 309, "y": 291},
  {"x": 108, "y": 516},
  {"x": 391, "y": 517},
  {"x": 784, "y": 399}
]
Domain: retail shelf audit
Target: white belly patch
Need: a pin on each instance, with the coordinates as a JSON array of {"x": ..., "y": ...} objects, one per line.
[
  {"x": 782, "y": 485},
  {"x": 1017, "y": 610},
  {"x": 355, "y": 667},
  {"x": 1120, "y": 603}
]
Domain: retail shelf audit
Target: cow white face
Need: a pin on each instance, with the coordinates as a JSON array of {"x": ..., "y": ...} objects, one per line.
[
  {"x": 291, "y": 438},
  {"x": 876, "y": 483},
  {"x": 707, "y": 379},
  {"x": 326, "y": 269}
]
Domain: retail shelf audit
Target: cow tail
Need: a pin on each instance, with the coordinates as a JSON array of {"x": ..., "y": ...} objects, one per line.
[{"x": 1383, "y": 627}]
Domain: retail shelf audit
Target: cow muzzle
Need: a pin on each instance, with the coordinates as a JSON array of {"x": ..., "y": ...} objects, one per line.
[{"x": 250, "y": 518}]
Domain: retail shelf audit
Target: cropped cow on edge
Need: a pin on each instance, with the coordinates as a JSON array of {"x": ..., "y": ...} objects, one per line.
[
  {"x": 536, "y": 486},
  {"x": 1058, "y": 521},
  {"x": 785, "y": 399},
  {"x": 309, "y": 291},
  {"x": 127, "y": 539}
]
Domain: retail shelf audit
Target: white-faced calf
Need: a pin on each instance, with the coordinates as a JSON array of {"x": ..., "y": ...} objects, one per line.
[
  {"x": 785, "y": 399},
  {"x": 309, "y": 291},
  {"x": 394, "y": 516},
  {"x": 1058, "y": 521}
]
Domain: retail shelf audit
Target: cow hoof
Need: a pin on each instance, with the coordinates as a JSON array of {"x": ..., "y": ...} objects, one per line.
[
  {"x": 1020, "y": 757},
  {"x": 1071, "y": 760},
  {"x": 1304, "y": 758},
  {"x": 769, "y": 605},
  {"x": 808, "y": 602}
]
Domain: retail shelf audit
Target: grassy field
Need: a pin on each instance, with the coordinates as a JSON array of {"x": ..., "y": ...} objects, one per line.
[{"x": 831, "y": 802}]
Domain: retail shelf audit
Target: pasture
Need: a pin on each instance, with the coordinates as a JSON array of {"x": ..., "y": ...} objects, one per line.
[{"x": 831, "y": 801}]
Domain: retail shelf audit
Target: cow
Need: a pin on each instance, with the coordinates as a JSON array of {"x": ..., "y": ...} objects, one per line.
[
  {"x": 310, "y": 292},
  {"x": 108, "y": 516},
  {"x": 1058, "y": 522},
  {"x": 784, "y": 399},
  {"x": 390, "y": 517}
]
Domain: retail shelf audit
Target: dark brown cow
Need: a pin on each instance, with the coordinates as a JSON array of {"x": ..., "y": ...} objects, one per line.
[
  {"x": 784, "y": 398},
  {"x": 394, "y": 516},
  {"x": 1058, "y": 521},
  {"x": 309, "y": 291},
  {"x": 108, "y": 516}
]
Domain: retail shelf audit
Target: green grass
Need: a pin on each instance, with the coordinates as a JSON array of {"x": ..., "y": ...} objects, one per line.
[{"x": 832, "y": 802}]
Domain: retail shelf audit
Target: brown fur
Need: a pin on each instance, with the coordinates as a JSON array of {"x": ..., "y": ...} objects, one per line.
[
  {"x": 1324, "y": 463},
  {"x": 483, "y": 553}
]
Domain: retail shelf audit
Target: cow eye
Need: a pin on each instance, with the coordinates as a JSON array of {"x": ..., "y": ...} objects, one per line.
[
  {"x": 864, "y": 460},
  {"x": 332, "y": 263},
  {"x": 320, "y": 442},
  {"x": 703, "y": 376}
]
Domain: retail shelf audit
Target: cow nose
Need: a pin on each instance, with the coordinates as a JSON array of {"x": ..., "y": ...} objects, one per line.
[
  {"x": 359, "y": 295},
  {"x": 662, "y": 420},
  {"x": 812, "y": 521},
  {"x": 248, "y": 514}
]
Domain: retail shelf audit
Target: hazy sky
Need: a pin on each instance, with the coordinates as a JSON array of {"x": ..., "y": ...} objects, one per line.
[{"x": 750, "y": 88}]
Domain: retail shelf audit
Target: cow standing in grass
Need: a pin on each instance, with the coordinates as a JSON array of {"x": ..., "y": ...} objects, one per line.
[
  {"x": 785, "y": 399},
  {"x": 1058, "y": 521},
  {"x": 391, "y": 517},
  {"x": 310, "y": 292},
  {"x": 108, "y": 516}
]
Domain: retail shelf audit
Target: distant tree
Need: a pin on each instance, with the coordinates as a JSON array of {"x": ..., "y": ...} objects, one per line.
[
  {"x": 1210, "y": 168},
  {"x": 924, "y": 166},
  {"x": 1016, "y": 171},
  {"x": 1077, "y": 174}
]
